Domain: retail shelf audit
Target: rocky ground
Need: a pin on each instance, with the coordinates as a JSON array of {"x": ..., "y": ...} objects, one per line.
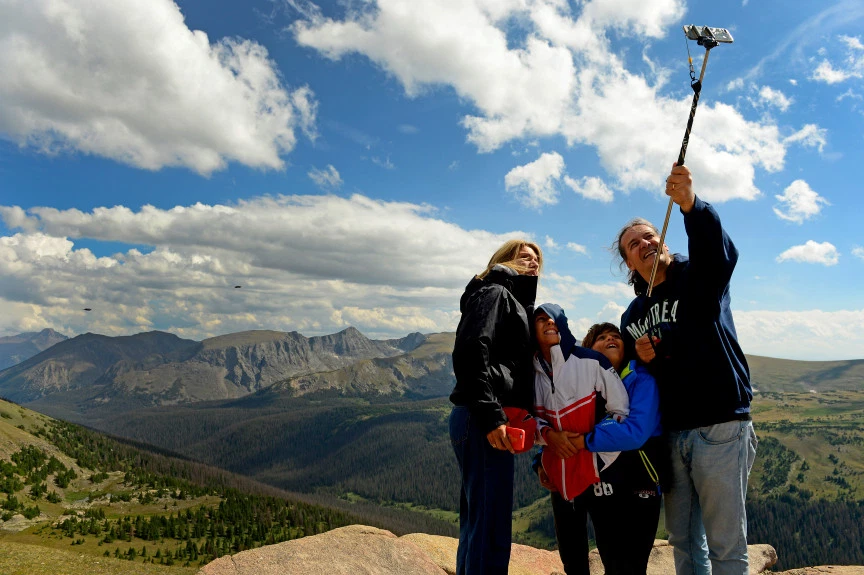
[{"x": 358, "y": 549}]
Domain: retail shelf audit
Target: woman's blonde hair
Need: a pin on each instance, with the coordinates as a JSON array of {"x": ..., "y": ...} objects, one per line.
[{"x": 507, "y": 255}]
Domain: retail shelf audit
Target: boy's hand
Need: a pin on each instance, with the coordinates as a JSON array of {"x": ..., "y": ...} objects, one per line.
[
  {"x": 544, "y": 479},
  {"x": 560, "y": 443}
]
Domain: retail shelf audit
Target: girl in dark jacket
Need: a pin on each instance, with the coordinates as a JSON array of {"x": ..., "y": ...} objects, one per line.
[{"x": 492, "y": 363}]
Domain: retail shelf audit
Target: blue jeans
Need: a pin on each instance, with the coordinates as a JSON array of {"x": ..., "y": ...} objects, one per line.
[
  {"x": 486, "y": 501},
  {"x": 705, "y": 513}
]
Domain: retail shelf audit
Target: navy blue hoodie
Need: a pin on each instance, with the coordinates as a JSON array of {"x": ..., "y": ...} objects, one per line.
[{"x": 700, "y": 369}]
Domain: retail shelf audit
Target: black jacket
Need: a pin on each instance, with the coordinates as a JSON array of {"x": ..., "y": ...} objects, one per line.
[
  {"x": 493, "y": 350},
  {"x": 701, "y": 370}
]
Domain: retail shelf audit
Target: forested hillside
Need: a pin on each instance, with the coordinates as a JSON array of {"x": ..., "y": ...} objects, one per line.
[
  {"x": 61, "y": 484},
  {"x": 398, "y": 453}
]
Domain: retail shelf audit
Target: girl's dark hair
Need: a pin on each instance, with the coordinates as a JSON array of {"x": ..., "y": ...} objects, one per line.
[
  {"x": 640, "y": 285},
  {"x": 596, "y": 330}
]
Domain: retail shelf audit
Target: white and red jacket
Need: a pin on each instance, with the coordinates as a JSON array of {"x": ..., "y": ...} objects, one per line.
[{"x": 566, "y": 401}]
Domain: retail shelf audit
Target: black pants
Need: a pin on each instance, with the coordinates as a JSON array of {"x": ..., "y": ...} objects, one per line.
[{"x": 625, "y": 524}]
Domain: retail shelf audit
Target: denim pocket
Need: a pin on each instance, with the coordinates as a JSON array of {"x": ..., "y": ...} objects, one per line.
[
  {"x": 460, "y": 420},
  {"x": 722, "y": 432}
]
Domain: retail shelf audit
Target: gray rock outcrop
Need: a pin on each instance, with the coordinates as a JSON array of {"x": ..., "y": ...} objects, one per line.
[{"x": 358, "y": 549}]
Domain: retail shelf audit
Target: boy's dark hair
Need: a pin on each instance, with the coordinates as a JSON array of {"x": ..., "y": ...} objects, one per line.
[{"x": 596, "y": 330}]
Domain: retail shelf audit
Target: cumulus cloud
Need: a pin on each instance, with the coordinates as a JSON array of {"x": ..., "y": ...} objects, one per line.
[
  {"x": 591, "y": 188},
  {"x": 128, "y": 80},
  {"x": 811, "y": 136},
  {"x": 774, "y": 98},
  {"x": 802, "y": 334},
  {"x": 577, "y": 248},
  {"x": 550, "y": 244},
  {"x": 311, "y": 263},
  {"x": 799, "y": 202},
  {"x": 858, "y": 252},
  {"x": 811, "y": 253},
  {"x": 535, "y": 184},
  {"x": 327, "y": 179},
  {"x": 852, "y": 65},
  {"x": 554, "y": 74}
]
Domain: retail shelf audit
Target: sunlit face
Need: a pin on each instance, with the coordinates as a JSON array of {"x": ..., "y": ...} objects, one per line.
[
  {"x": 640, "y": 244},
  {"x": 610, "y": 344},
  {"x": 546, "y": 331},
  {"x": 527, "y": 257}
]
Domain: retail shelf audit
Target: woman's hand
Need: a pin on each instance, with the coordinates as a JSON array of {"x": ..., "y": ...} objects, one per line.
[
  {"x": 544, "y": 479},
  {"x": 561, "y": 444},
  {"x": 498, "y": 439}
]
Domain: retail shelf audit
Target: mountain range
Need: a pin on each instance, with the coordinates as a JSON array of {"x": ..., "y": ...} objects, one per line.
[
  {"x": 16, "y": 348},
  {"x": 117, "y": 374}
]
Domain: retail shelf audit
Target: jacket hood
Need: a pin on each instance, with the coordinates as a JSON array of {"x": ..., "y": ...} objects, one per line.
[
  {"x": 523, "y": 288},
  {"x": 557, "y": 313}
]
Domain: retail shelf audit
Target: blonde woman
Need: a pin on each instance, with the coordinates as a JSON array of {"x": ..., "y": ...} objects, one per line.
[{"x": 492, "y": 361}]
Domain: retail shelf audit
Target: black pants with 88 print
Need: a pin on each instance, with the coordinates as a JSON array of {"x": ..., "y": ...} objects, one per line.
[{"x": 625, "y": 524}]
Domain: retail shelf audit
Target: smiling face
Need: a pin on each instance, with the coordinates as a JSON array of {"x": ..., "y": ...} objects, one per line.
[
  {"x": 610, "y": 344},
  {"x": 639, "y": 245},
  {"x": 528, "y": 258},
  {"x": 546, "y": 332}
]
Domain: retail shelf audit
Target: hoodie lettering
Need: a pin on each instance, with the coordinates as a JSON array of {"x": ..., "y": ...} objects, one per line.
[{"x": 653, "y": 316}]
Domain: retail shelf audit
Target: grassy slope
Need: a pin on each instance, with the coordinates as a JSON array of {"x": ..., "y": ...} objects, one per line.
[
  {"x": 771, "y": 374},
  {"x": 26, "y": 559},
  {"x": 826, "y": 430},
  {"x": 29, "y": 547}
]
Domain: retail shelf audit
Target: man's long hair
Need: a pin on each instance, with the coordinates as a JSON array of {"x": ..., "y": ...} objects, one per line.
[{"x": 640, "y": 285}]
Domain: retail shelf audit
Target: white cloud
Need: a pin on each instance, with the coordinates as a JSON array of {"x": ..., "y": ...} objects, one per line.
[
  {"x": 327, "y": 179},
  {"x": 793, "y": 81},
  {"x": 408, "y": 129},
  {"x": 311, "y": 263},
  {"x": 802, "y": 334},
  {"x": 799, "y": 202},
  {"x": 591, "y": 188},
  {"x": 851, "y": 67},
  {"x": 858, "y": 252},
  {"x": 825, "y": 72},
  {"x": 128, "y": 80},
  {"x": 534, "y": 184},
  {"x": 554, "y": 75},
  {"x": 851, "y": 94},
  {"x": 853, "y": 42},
  {"x": 774, "y": 98},
  {"x": 810, "y": 135},
  {"x": 577, "y": 248},
  {"x": 384, "y": 163},
  {"x": 735, "y": 84},
  {"x": 550, "y": 244},
  {"x": 811, "y": 253}
]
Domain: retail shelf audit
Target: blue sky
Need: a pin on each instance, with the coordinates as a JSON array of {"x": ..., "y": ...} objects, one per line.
[{"x": 356, "y": 162}]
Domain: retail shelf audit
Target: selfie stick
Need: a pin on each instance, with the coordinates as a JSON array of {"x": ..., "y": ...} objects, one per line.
[{"x": 710, "y": 38}]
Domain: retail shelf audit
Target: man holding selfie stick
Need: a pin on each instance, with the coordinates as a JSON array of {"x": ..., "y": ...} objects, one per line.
[{"x": 684, "y": 332}]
